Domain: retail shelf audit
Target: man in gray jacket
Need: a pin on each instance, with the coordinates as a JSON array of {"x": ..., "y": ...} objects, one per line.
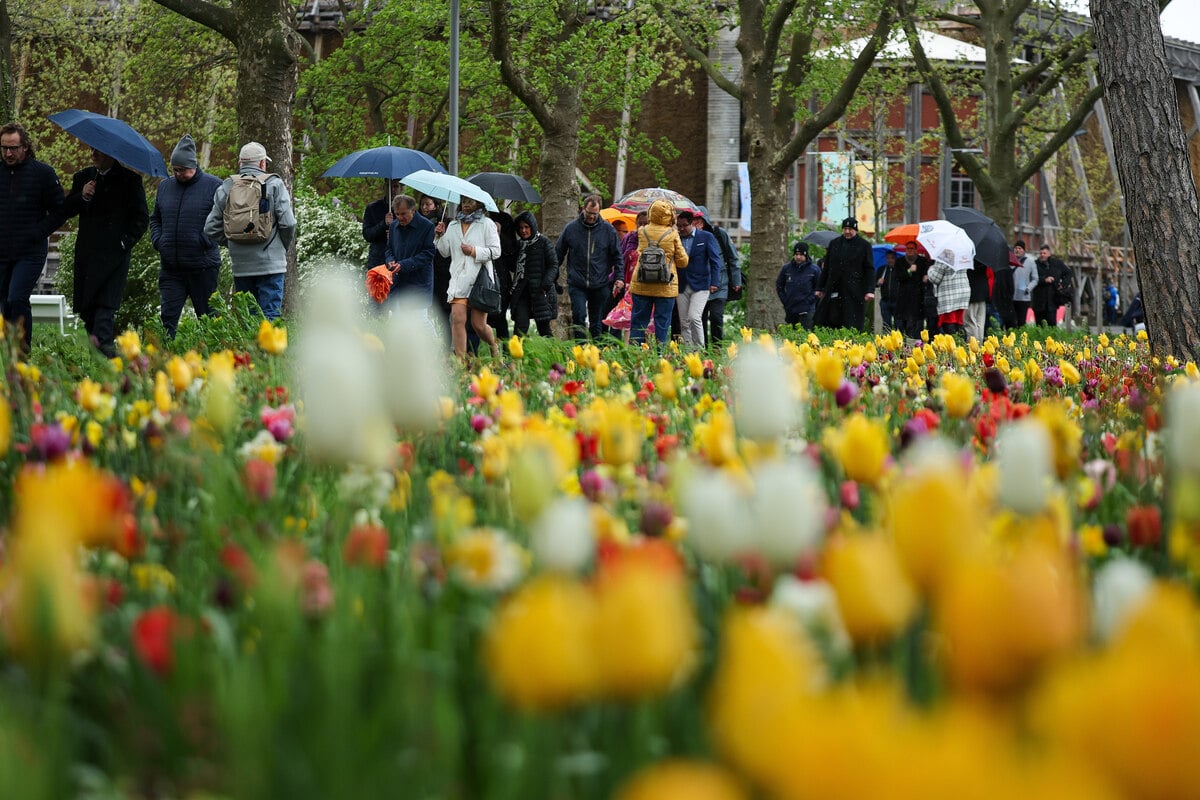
[
  {"x": 190, "y": 262},
  {"x": 258, "y": 268}
]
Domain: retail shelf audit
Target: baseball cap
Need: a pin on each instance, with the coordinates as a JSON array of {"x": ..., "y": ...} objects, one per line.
[
  {"x": 850, "y": 222},
  {"x": 253, "y": 152}
]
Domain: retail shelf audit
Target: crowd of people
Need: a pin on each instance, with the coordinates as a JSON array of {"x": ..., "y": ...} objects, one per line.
[
  {"x": 917, "y": 293},
  {"x": 671, "y": 274},
  {"x": 194, "y": 214},
  {"x": 609, "y": 289}
]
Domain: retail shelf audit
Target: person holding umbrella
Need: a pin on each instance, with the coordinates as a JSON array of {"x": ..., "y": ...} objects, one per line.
[
  {"x": 377, "y": 221},
  {"x": 471, "y": 241},
  {"x": 31, "y": 200},
  {"x": 111, "y": 205}
]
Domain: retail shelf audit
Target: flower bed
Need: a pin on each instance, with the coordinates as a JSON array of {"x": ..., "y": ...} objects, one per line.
[{"x": 329, "y": 565}]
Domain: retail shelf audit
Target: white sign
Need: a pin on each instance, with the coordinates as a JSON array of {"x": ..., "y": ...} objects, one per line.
[{"x": 744, "y": 194}]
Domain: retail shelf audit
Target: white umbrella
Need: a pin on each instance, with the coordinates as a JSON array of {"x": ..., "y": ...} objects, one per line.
[
  {"x": 447, "y": 187},
  {"x": 947, "y": 243}
]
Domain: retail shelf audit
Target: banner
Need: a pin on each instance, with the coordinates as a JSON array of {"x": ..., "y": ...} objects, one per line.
[{"x": 743, "y": 170}]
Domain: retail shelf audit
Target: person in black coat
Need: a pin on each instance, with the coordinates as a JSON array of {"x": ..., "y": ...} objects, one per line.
[
  {"x": 31, "y": 200},
  {"x": 847, "y": 281},
  {"x": 377, "y": 221},
  {"x": 910, "y": 270},
  {"x": 1053, "y": 279},
  {"x": 535, "y": 278},
  {"x": 504, "y": 267},
  {"x": 111, "y": 205},
  {"x": 796, "y": 287},
  {"x": 189, "y": 261}
]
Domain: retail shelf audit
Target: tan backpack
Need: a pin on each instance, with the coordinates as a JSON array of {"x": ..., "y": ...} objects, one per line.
[{"x": 248, "y": 217}]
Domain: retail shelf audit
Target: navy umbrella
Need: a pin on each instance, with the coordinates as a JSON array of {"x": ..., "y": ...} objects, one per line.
[
  {"x": 991, "y": 248},
  {"x": 506, "y": 186},
  {"x": 821, "y": 238},
  {"x": 113, "y": 138},
  {"x": 383, "y": 162}
]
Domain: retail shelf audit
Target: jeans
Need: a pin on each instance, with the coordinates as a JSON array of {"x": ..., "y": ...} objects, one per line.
[
  {"x": 714, "y": 318},
  {"x": 17, "y": 279},
  {"x": 587, "y": 310},
  {"x": 267, "y": 291},
  {"x": 176, "y": 286},
  {"x": 691, "y": 304},
  {"x": 644, "y": 308}
]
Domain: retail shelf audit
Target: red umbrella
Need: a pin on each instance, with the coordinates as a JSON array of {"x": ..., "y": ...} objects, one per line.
[{"x": 379, "y": 283}]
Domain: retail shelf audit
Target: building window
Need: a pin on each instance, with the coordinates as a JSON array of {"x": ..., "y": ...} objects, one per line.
[
  {"x": 1025, "y": 206},
  {"x": 962, "y": 190}
]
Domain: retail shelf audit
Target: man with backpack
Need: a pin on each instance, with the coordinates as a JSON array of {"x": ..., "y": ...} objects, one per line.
[{"x": 252, "y": 215}]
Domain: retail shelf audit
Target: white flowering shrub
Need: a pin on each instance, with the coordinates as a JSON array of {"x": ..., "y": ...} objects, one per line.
[{"x": 329, "y": 238}]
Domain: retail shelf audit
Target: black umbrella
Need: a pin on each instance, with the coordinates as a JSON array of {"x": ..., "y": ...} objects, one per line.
[
  {"x": 821, "y": 238},
  {"x": 991, "y": 247},
  {"x": 506, "y": 186}
]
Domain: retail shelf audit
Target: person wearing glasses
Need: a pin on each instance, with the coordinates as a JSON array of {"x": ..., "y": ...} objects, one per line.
[
  {"x": 31, "y": 208},
  {"x": 189, "y": 261}
]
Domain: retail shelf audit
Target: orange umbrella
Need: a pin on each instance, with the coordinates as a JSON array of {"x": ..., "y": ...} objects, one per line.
[
  {"x": 611, "y": 215},
  {"x": 379, "y": 283},
  {"x": 904, "y": 234}
]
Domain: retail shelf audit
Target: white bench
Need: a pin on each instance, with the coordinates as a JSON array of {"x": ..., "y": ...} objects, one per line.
[{"x": 50, "y": 307}]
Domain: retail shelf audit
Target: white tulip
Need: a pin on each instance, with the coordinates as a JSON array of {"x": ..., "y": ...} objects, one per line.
[
  {"x": 1120, "y": 587},
  {"x": 815, "y": 606},
  {"x": 413, "y": 369},
  {"x": 1023, "y": 459},
  {"x": 787, "y": 512},
  {"x": 563, "y": 536},
  {"x": 718, "y": 518},
  {"x": 1183, "y": 422},
  {"x": 764, "y": 405}
]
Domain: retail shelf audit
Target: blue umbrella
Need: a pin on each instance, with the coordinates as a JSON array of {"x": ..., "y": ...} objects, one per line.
[
  {"x": 881, "y": 251},
  {"x": 113, "y": 138},
  {"x": 383, "y": 162},
  {"x": 450, "y": 188}
]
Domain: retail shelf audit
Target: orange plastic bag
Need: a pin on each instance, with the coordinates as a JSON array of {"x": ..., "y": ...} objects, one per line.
[{"x": 379, "y": 283}]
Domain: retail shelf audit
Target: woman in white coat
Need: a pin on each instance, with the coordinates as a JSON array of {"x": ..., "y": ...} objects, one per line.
[{"x": 471, "y": 241}]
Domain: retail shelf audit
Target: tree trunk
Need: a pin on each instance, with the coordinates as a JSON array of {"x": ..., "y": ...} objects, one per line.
[
  {"x": 1154, "y": 169},
  {"x": 559, "y": 186},
  {"x": 8, "y": 80},
  {"x": 770, "y": 248},
  {"x": 267, "y": 74}
]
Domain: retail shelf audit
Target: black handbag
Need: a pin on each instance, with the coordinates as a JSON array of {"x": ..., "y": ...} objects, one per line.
[{"x": 485, "y": 293}]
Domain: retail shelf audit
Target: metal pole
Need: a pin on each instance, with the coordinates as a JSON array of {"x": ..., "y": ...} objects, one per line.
[{"x": 454, "y": 87}]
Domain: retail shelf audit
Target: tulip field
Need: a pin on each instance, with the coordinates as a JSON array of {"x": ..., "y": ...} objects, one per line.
[{"x": 322, "y": 559}]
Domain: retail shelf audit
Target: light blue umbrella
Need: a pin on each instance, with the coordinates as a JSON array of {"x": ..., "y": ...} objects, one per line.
[
  {"x": 450, "y": 188},
  {"x": 113, "y": 138}
]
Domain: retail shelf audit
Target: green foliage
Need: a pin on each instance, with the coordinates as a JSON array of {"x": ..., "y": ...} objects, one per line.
[{"x": 162, "y": 74}]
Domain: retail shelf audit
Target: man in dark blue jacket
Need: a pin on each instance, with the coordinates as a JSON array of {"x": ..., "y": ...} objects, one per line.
[
  {"x": 31, "y": 202},
  {"x": 701, "y": 279},
  {"x": 189, "y": 261},
  {"x": 592, "y": 250},
  {"x": 796, "y": 287},
  {"x": 409, "y": 252}
]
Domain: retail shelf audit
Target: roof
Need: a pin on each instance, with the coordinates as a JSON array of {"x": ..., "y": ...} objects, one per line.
[{"x": 937, "y": 48}]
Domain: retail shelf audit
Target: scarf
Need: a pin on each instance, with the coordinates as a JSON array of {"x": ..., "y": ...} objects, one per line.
[
  {"x": 522, "y": 246},
  {"x": 474, "y": 216}
]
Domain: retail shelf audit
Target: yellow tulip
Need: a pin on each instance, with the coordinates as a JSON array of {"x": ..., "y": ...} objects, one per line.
[
  {"x": 682, "y": 779},
  {"x": 861, "y": 445},
  {"x": 828, "y": 370},
  {"x": 515, "y": 348},
  {"x": 874, "y": 595}
]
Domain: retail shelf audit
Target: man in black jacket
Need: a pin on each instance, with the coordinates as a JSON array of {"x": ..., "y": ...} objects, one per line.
[
  {"x": 377, "y": 221},
  {"x": 592, "y": 252},
  {"x": 847, "y": 281},
  {"x": 1053, "y": 284},
  {"x": 111, "y": 205},
  {"x": 31, "y": 200},
  {"x": 189, "y": 261}
]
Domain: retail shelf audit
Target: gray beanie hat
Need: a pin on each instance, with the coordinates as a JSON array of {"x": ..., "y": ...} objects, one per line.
[{"x": 184, "y": 154}]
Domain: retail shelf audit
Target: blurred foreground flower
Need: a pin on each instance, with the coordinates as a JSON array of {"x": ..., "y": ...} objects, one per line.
[
  {"x": 680, "y": 780},
  {"x": 272, "y": 339}
]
